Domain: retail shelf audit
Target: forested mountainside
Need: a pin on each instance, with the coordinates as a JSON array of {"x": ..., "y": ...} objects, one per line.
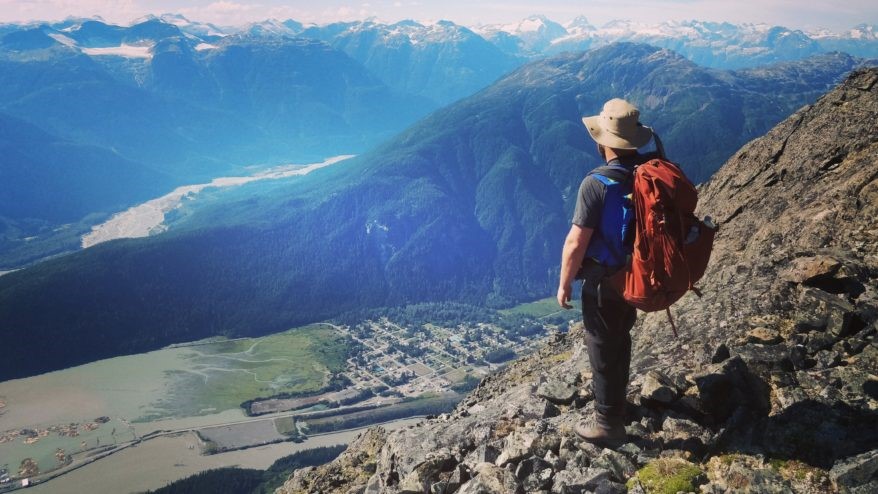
[{"x": 470, "y": 204}]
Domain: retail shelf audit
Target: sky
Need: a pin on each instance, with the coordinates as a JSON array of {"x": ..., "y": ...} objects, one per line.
[{"x": 796, "y": 14}]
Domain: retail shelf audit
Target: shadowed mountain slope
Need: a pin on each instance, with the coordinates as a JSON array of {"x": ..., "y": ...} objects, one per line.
[{"x": 470, "y": 204}]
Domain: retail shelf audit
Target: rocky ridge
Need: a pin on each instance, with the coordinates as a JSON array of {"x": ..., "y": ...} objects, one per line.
[{"x": 771, "y": 386}]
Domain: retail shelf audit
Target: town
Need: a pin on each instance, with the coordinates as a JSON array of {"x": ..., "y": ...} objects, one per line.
[{"x": 394, "y": 357}]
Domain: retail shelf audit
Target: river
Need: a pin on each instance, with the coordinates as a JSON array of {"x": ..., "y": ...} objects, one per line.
[{"x": 148, "y": 218}]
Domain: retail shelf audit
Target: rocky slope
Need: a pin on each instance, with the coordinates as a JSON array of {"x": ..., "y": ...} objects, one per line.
[{"x": 771, "y": 386}]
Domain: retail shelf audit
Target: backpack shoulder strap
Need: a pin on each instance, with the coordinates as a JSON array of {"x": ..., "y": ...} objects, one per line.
[{"x": 611, "y": 174}]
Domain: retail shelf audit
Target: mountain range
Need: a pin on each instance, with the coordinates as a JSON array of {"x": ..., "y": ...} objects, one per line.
[
  {"x": 156, "y": 108},
  {"x": 442, "y": 61},
  {"x": 711, "y": 44},
  {"x": 469, "y": 204},
  {"x": 213, "y": 107}
]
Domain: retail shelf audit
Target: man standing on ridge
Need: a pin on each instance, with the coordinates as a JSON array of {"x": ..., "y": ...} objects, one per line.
[{"x": 598, "y": 244}]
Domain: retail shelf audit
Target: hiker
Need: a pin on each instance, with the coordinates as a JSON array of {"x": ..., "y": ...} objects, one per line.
[{"x": 597, "y": 246}]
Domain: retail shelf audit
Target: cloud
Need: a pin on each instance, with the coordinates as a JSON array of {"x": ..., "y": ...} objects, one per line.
[
  {"x": 790, "y": 13},
  {"x": 226, "y": 12},
  {"x": 347, "y": 13},
  {"x": 46, "y": 10},
  {"x": 225, "y": 7}
]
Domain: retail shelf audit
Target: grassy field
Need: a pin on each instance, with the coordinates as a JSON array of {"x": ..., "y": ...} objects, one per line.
[
  {"x": 286, "y": 426},
  {"x": 222, "y": 375},
  {"x": 539, "y": 308}
]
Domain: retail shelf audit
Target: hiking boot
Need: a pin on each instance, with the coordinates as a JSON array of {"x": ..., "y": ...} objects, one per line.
[{"x": 604, "y": 430}]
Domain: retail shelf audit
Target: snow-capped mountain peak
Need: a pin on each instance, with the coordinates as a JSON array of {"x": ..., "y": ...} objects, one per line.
[
  {"x": 176, "y": 19},
  {"x": 864, "y": 31},
  {"x": 413, "y": 32},
  {"x": 535, "y": 25},
  {"x": 580, "y": 25},
  {"x": 270, "y": 27},
  {"x": 197, "y": 29},
  {"x": 145, "y": 18}
]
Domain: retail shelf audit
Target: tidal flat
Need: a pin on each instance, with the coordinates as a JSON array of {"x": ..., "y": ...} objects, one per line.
[
  {"x": 60, "y": 418},
  {"x": 157, "y": 462}
]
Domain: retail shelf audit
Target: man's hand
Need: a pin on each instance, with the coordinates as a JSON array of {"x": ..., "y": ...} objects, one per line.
[
  {"x": 564, "y": 294},
  {"x": 571, "y": 259}
]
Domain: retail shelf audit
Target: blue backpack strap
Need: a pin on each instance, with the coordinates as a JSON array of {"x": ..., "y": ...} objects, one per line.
[
  {"x": 613, "y": 173},
  {"x": 612, "y": 176}
]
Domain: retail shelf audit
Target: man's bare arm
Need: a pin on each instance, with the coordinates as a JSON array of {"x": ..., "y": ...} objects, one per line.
[{"x": 571, "y": 259}]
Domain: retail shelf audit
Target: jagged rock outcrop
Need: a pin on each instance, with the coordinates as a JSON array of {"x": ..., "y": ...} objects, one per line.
[{"x": 771, "y": 386}]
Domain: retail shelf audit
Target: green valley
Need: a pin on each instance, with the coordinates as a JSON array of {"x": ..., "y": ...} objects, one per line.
[
  {"x": 307, "y": 386},
  {"x": 221, "y": 375}
]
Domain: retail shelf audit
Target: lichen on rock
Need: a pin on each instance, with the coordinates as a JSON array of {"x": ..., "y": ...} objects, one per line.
[{"x": 668, "y": 476}]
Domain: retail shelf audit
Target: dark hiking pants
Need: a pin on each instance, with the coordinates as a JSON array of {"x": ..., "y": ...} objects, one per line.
[{"x": 608, "y": 338}]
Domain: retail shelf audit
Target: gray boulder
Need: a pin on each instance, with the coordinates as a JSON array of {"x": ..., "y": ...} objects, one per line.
[
  {"x": 484, "y": 453},
  {"x": 619, "y": 466},
  {"x": 534, "y": 473},
  {"x": 832, "y": 311},
  {"x": 491, "y": 479},
  {"x": 557, "y": 391},
  {"x": 855, "y": 471},
  {"x": 426, "y": 473},
  {"x": 658, "y": 387},
  {"x": 580, "y": 480}
]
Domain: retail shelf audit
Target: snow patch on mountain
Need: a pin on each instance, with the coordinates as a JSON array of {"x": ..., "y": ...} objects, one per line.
[
  {"x": 64, "y": 40},
  {"x": 124, "y": 50},
  {"x": 864, "y": 31},
  {"x": 535, "y": 32}
]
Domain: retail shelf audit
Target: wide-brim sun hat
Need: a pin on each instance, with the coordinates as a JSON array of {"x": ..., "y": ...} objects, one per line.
[{"x": 618, "y": 126}]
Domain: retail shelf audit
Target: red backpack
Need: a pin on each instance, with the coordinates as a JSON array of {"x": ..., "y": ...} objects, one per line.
[{"x": 671, "y": 246}]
